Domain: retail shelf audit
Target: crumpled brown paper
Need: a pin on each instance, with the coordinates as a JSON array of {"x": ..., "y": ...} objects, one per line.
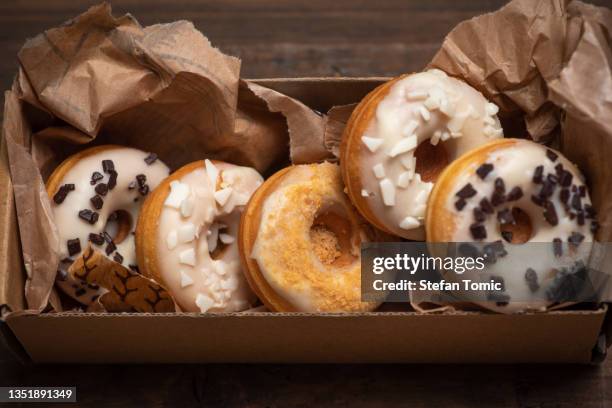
[{"x": 164, "y": 88}]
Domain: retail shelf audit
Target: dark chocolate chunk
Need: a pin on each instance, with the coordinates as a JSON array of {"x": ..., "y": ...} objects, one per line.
[
  {"x": 62, "y": 192},
  {"x": 107, "y": 237},
  {"x": 118, "y": 257},
  {"x": 150, "y": 159},
  {"x": 505, "y": 217},
  {"x": 580, "y": 218},
  {"x": 486, "y": 206},
  {"x": 466, "y": 192},
  {"x": 89, "y": 216},
  {"x": 74, "y": 246},
  {"x": 494, "y": 250},
  {"x": 134, "y": 268},
  {"x": 538, "y": 200},
  {"x": 564, "y": 195},
  {"x": 460, "y": 203},
  {"x": 532, "y": 279},
  {"x": 574, "y": 188},
  {"x": 565, "y": 178},
  {"x": 537, "y": 174},
  {"x": 108, "y": 166},
  {"x": 559, "y": 169},
  {"x": 479, "y": 215},
  {"x": 79, "y": 292},
  {"x": 500, "y": 186},
  {"x": 143, "y": 190},
  {"x": 95, "y": 177},
  {"x": 97, "y": 239},
  {"x": 141, "y": 179},
  {"x": 110, "y": 248},
  {"x": 507, "y": 236},
  {"x": 498, "y": 196},
  {"x": 552, "y": 156},
  {"x": 499, "y": 280},
  {"x": 550, "y": 213},
  {"x": 515, "y": 194},
  {"x": 484, "y": 170},
  {"x": 582, "y": 190},
  {"x": 576, "y": 202},
  {"x": 112, "y": 179},
  {"x": 101, "y": 189},
  {"x": 478, "y": 232},
  {"x": 589, "y": 211},
  {"x": 548, "y": 187},
  {"x": 557, "y": 247},
  {"x": 97, "y": 202},
  {"x": 575, "y": 238}
]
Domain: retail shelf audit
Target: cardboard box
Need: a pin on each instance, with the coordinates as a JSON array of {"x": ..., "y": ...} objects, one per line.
[{"x": 568, "y": 336}]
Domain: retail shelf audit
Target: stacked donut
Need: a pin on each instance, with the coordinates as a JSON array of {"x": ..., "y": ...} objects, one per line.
[{"x": 422, "y": 157}]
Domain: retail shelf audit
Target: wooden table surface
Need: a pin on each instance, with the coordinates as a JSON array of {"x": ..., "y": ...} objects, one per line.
[{"x": 290, "y": 39}]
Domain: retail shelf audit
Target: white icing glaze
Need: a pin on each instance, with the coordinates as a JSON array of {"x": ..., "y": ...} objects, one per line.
[
  {"x": 428, "y": 105},
  {"x": 185, "y": 239},
  {"x": 516, "y": 165},
  {"x": 128, "y": 163}
]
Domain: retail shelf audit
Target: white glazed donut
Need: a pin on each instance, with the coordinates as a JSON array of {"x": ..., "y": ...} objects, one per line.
[
  {"x": 512, "y": 192},
  {"x": 96, "y": 197},
  {"x": 187, "y": 236},
  {"x": 401, "y": 136}
]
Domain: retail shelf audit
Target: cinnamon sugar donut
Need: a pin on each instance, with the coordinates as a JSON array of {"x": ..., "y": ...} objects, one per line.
[
  {"x": 186, "y": 236},
  {"x": 401, "y": 136},
  {"x": 300, "y": 241},
  {"x": 507, "y": 193},
  {"x": 96, "y": 197}
]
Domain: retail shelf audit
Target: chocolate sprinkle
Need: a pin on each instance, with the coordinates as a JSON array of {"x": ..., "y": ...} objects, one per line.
[
  {"x": 97, "y": 202},
  {"x": 532, "y": 279},
  {"x": 498, "y": 196},
  {"x": 62, "y": 192},
  {"x": 101, "y": 189},
  {"x": 89, "y": 216},
  {"x": 118, "y": 257},
  {"x": 575, "y": 239},
  {"x": 479, "y": 215},
  {"x": 150, "y": 159},
  {"x": 537, "y": 174},
  {"x": 460, "y": 203},
  {"x": 486, "y": 206},
  {"x": 515, "y": 194},
  {"x": 505, "y": 217},
  {"x": 564, "y": 195},
  {"x": 552, "y": 156},
  {"x": 580, "y": 218},
  {"x": 565, "y": 178},
  {"x": 550, "y": 213},
  {"x": 557, "y": 247},
  {"x": 576, "y": 202},
  {"x": 112, "y": 179},
  {"x": 466, "y": 192},
  {"x": 74, "y": 246},
  {"x": 484, "y": 170},
  {"x": 95, "y": 177},
  {"x": 478, "y": 232},
  {"x": 108, "y": 166},
  {"x": 548, "y": 187},
  {"x": 110, "y": 248},
  {"x": 97, "y": 239}
]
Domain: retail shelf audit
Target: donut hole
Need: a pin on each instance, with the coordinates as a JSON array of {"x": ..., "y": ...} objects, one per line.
[
  {"x": 519, "y": 232},
  {"x": 330, "y": 235},
  {"x": 119, "y": 226},
  {"x": 430, "y": 160}
]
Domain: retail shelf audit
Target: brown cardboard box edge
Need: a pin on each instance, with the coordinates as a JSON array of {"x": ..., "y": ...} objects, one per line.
[{"x": 554, "y": 337}]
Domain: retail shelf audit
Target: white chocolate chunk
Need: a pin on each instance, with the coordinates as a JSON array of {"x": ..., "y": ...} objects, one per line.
[
  {"x": 404, "y": 178},
  {"x": 171, "y": 240},
  {"x": 419, "y": 210},
  {"x": 226, "y": 238},
  {"x": 455, "y": 124},
  {"x": 404, "y": 145},
  {"x": 188, "y": 257},
  {"x": 230, "y": 284},
  {"x": 379, "y": 170},
  {"x": 212, "y": 172},
  {"x": 437, "y": 72},
  {"x": 204, "y": 302},
  {"x": 424, "y": 113},
  {"x": 364, "y": 193},
  {"x": 435, "y": 139},
  {"x": 409, "y": 223},
  {"x": 178, "y": 192},
  {"x": 186, "y": 233},
  {"x": 388, "y": 192},
  {"x": 187, "y": 207},
  {"x": 491, "y": 109},
  {"x": 219, "y": 267},
  {"x": 410, "y": 128},
  {"x": 445, "y": 136},
  {"x": 416, "y": 95},
  {"x": 447, "y": 107},
  {"x": 185, "y": 280},
  {"x": 241, "y": 199},
  {"x": 456, "y": 134},
  {"x": 223, "y": 195},
  {"x": 489, "y": 120},
  {"x": 372, "y": 143},
  {"x": 421, "y": 197},
  {"x": 213, "y": 235},
  {"x": 408, "y": 161}
]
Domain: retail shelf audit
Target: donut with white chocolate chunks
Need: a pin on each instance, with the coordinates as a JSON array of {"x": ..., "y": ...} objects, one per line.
[
  {"x": 96, "y": 196},
  {"x": 186, "y": 236},
  {"x": 507, "y": 193},
  {"x": 300, "y": 242},
  {"x": 401, "y": 136}
]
